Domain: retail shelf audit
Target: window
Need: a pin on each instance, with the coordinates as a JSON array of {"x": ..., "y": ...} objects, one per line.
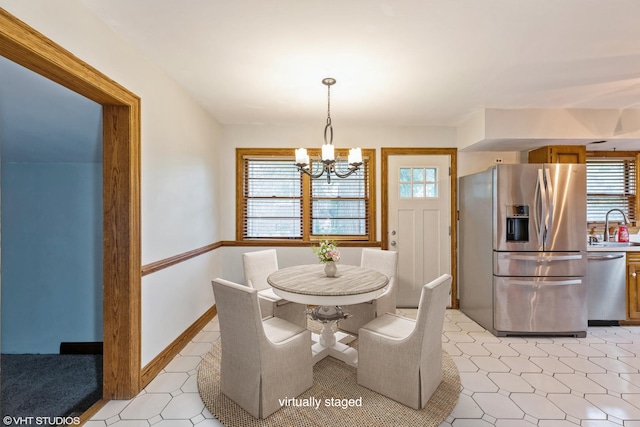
[
  {"x": 418, "y": 183},
  {"x": 340, "y": 208},
  {"x": 272, "y": 199},
  {"x": 611, "y": 183},
  {"x": 275, "y": 201}
]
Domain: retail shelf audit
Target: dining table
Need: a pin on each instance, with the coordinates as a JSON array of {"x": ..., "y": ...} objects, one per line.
[{"x": 308, "y": 284}]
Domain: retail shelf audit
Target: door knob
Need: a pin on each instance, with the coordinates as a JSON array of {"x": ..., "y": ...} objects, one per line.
[
  {"x": 393, "y": 243},
  {"x": 393, "y": 232}
]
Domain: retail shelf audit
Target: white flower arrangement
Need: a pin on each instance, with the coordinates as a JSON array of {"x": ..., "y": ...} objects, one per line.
[{"x": 327, "y": 250}]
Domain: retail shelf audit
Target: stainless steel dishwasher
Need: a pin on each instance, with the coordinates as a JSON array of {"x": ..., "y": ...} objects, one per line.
[{"x": 606, "y": 287}]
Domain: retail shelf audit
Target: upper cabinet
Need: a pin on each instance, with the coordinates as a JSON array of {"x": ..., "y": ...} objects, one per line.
[{"x": 559, "y": 154}]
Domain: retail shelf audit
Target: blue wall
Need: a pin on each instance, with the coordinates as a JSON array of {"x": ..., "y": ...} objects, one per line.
[{"x": 51, "y": 255}]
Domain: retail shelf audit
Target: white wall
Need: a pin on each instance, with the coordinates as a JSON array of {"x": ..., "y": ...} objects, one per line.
[
  {"x": 231, "y": 258},
  {"x": 538, "y": 127},
  {"x": 186, "y": 291},
  {"x": 180, "y": 204},
  {"x": 477, "y": 161},
  {"x": 562, "y": 123},
  {"x": 311, "y": 136},
  {"x": 345, "y": 137}
]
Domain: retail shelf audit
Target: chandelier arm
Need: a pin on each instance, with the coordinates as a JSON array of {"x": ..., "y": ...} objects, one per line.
[
  {"x": 312, "y": 175},
  {"x": 344, "y": 175},
  {"x": 352, "y": 168}
]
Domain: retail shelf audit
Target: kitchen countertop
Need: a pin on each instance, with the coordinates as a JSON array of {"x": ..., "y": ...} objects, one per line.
[{"x": 613, "y": 249}]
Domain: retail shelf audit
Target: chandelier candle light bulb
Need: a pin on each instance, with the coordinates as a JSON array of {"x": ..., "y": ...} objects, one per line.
[
  {"x": 328, "y": 152},
  {"x": 355, "y": 156},
  {"x": 302, "y": 157}
]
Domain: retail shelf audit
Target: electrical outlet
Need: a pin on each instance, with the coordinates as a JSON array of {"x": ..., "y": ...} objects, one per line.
[{"x": 498, "y": 159}]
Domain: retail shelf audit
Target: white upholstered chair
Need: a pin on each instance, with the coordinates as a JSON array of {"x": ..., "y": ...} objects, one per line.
[
  {"x": 262, "y": 361},
  {"x": 401, "y": 358},
  {"x": 258, "y": 266},
  {"x": 386, "y": 262}
]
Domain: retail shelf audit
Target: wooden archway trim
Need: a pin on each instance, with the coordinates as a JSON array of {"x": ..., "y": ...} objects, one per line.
[
  {"x": 423, "y": 151},
  {"x": 121, "y": 194}
]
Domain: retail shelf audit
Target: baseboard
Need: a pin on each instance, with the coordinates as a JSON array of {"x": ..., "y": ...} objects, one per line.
[
  {"x": 93, "y": 409},
  {"x": 154, "y": 367},
  {"x": 81, "y": 348}
]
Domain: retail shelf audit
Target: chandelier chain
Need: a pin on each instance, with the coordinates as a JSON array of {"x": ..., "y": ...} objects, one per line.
[
  {"x": 329, "y": 104},
  {"x": 328, "y": 126}
]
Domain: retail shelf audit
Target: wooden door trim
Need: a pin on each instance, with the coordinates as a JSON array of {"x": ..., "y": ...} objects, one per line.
[
  {"x": 121, "y": 194},
  {"x": 410, "y": 151}
]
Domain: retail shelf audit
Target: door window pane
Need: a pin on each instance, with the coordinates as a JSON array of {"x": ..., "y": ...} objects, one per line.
[
  {"x": 405, "y": 174},
  {"x": 405, "y": 190},
  {"x": 431, "y": 190},
  {"x": 418, "y": 182}
]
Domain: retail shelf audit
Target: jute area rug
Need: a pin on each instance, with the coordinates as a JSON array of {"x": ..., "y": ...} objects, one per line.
[{"x": 332, "y": 379}]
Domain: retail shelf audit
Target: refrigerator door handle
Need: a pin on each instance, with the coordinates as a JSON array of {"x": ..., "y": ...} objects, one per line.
[
  {"x": 542, "y": 258},
  {"x": 545, "y": 283},
  {"x": 604, "y": 257},
  {"x": 549, "y": 221},
  {"x": 540, "y": 208}
]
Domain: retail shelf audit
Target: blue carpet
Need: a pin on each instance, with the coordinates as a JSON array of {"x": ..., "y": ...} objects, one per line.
[{"x": 49, "y": 385}]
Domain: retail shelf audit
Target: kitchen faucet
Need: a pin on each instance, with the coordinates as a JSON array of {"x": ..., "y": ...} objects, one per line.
[{"x": 606, "y": 222}]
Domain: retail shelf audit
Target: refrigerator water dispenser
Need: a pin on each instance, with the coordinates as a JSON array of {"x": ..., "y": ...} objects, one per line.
[{"x": 517, "y": 223}]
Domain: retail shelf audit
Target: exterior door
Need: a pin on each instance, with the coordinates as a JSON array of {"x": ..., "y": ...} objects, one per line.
[{"x": 419, "y": 225}]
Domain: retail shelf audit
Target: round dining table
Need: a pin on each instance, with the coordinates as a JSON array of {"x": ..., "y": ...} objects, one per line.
[{"x": 308, "y": 284}]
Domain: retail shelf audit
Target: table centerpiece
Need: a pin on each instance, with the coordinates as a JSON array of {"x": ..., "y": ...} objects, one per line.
[{"x": 328, "y": 253}]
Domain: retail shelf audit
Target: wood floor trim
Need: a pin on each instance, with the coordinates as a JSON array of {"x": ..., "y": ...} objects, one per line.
[
  {"x": 176, "y": 259},
  {"x": 93, "y": 409},
  {"x": 154, "y": 367}
]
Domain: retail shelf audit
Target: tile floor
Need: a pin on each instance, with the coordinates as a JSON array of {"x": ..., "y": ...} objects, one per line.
[{"x": 507, "y": 382}]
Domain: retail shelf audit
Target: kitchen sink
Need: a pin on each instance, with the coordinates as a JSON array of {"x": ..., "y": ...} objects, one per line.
[{"x": 613, "y": 244}]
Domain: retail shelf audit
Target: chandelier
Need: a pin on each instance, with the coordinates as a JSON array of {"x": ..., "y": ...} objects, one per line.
[{"x": 328, "y": 158}]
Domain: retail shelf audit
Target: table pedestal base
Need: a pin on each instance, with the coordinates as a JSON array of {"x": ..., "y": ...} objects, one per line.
[
  {"x": 328, "y": 343},
  {"x": 338, "y": 350}
]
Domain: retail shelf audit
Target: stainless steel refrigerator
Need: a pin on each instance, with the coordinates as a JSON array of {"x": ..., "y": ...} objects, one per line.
[{"x": 522, "y": 249}]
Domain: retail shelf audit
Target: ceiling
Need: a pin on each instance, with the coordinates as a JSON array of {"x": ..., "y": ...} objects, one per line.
[{"x": 397, "y": 62}]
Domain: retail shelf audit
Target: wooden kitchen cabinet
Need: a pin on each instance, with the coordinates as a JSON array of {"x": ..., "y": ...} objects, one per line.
[
  {"x": 559, "y": 154},
  {"x": 633, "y": 286}
]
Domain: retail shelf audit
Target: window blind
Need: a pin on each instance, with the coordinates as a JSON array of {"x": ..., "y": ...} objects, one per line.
[
  {"x": 272, "y": 199},
  {"x": 342, "y": 207},
  {"x": 611, "y": 183},
  {"x": 275, "y": 201}
]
